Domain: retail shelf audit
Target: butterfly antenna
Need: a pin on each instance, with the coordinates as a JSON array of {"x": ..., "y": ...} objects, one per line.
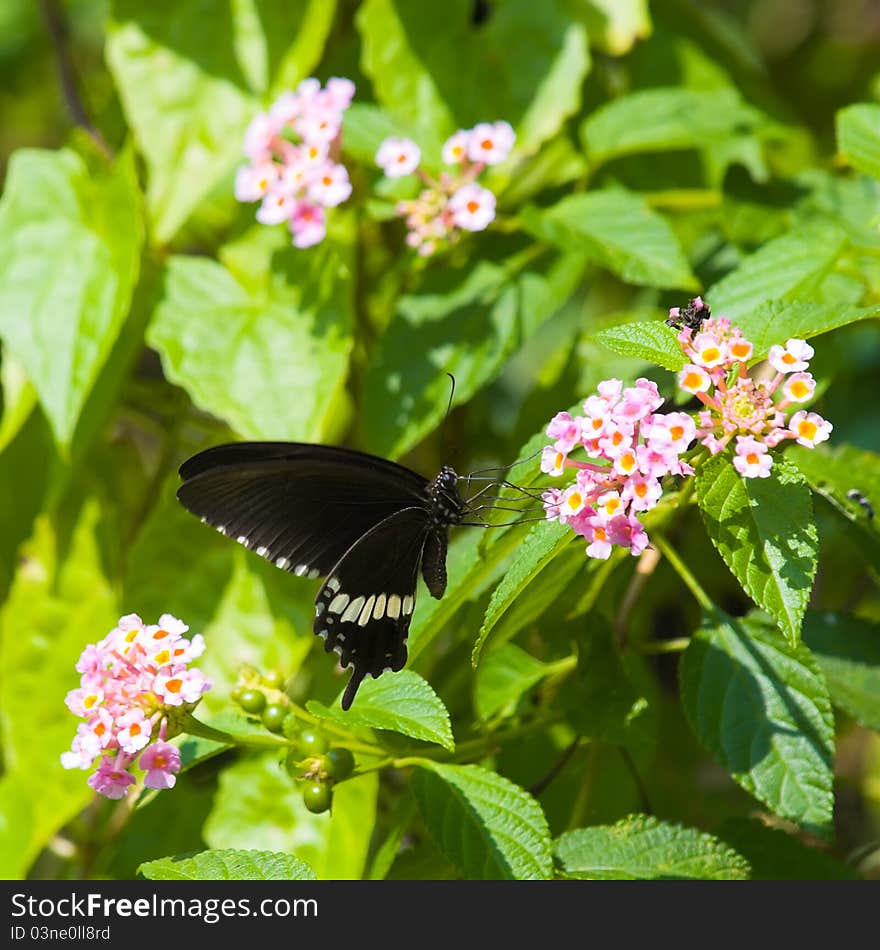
[{"x": 504, "y": 468}]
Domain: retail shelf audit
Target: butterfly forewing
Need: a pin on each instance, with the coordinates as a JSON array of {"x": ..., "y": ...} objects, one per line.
[
  {"x": 300, "y": 506},
  {"x": 364, "y": 608}
]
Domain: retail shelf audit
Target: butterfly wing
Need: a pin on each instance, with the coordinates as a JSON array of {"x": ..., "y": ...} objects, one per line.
[
  {"x": 363, "y": 609},
  {"x": 298, "y": 505}
]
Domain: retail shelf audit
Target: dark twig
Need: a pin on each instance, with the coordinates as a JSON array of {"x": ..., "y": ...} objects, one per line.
[
  {"x": 640, "y": 785},
  {"x": 59, "y": 34},
  {"x": 556, "y": 768}
]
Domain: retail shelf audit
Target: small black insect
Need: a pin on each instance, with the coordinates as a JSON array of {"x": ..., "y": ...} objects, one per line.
[
  {"x": 855, "y": 495},
  {"x": 365, "y": 524},
  {"x": 690, "y": 316}
]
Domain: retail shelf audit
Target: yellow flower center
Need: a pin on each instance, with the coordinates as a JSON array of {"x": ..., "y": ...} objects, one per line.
[{"x": 807, "y": 430}]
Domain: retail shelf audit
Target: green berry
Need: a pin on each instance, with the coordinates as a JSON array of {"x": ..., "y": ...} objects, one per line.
[
  {"x": 338, "y": 764},
  {"x": 312, "y": 743},
  {"x": 252, "y": 701},
  {"x": 291, "y": 726},
  {"x": 273, "y": 679},
  {"x": 317, "y": 797},
  {"x": 273, "y": 717}
]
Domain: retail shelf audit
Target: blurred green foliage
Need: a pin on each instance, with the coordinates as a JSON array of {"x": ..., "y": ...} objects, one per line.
[{"x": 664, "y": 149}]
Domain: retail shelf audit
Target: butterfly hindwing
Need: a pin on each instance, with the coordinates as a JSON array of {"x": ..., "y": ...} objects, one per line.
[
  {"x": 300, "y": 506},
  {"x": 364, "y": 608}
]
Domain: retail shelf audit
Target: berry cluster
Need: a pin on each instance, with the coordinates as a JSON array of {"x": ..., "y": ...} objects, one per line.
[
  {"x": 635, "y": 447},
  {"x": 291, "y": 150},
  {"x": 454, "y": 202},
  {"x": 738, "y": 406},
  {"x": 131, "y": 682},
  {"x": 310, "y": 758}
]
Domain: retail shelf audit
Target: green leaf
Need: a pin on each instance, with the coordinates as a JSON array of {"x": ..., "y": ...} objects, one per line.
[
  {"x": 488, "y": 314},
  {"x": 228, "y": 865},
  {"x": 787, "y": 267},
  {"x": 858, "y": 137},
  {"x": 19, "y": 398},
  {"x": 649, "y": 340},
  {"x": 641, "y": 847},
  {"x": 848, "y": 653},
  {"x": 777, "y": 320},
  {"x": 488, "y": 827},
  {"x": 269, "y": 356},
  {"x": 70, "y": 242},
  {"x": 775, "y": 855},
  {"x": 601, "y": 701},
  {"x": 184, "y": 96},
  {"x": 259, "y": 807},
  {"x": 504, "y": 674},
  {"x": 433, "y": 71},
  {"x": 403, "y": 703},
  {"x": 59, "y": 603},
  {"x": 763, "y": 528},
  {"x": 543, "y": 543},
  {"x": 832, "y": 473},
  {"x": 760, "y": 705},
  {"x": 664, "y": 119},
  {"x": 617, "y": 230},
  {"x": 614, "y": 25}
]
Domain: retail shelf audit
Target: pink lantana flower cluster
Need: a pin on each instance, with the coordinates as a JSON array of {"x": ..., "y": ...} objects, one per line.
[
  {"x": 633, "y": 446},
  {"x": 454, "y": 202},
  {"x": 740, "y": 407},
  {"x": 131, "y": 681},
  {"x": 292, "y": 150}
]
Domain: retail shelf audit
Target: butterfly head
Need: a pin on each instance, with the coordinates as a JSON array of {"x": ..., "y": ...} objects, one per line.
[{"x": 447, "y": 503}]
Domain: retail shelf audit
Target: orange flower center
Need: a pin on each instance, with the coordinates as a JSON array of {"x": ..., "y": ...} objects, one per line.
[
  {"x": 711, "y": 353},
  {"x": 486, "y": 144},
  {"x": 807, "y": 429},
  {"x": 473, "y": 206},
  {"x": 788, "y": 359},
  {"x": 752, "y": 458},
  {"x": 799, "y": 389},
  {"x": 173, "y": 686}
]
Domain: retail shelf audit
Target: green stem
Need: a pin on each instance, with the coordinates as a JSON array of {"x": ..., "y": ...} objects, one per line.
[
  {"x": 683, "y": 571},
  {"x": 664, "y": 646},
  {"x": 195, "y": 727}
]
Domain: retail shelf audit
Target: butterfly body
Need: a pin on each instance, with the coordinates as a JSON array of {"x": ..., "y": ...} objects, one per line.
[{"x": 363, "y": 523}]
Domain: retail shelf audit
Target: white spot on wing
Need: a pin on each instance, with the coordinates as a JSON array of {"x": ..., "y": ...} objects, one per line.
[
  {"x": 282, "y": 562},
  {"x": 242, "y": 539},
  {"x": 354, "y": 608},
  {"x": 379, "y": 609},
  {"x": 333, "y": 584},
  {"x": 393, "y": 607},
  {"x": 339, "y": 603},
  {"x": 367, "y": 612},
  {"x": 314, "y": 572},
  {"x": 221, "y": 528},
  {"x": 407, "y": 604},
  {"x": 300, "y": 569},
  {"x": 262, "y": 551}
]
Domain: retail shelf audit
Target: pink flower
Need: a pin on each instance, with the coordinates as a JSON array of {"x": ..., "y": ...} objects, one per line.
[
  {"x": 552, "y": 460},
  {"x": 340, "y": 92},
  {"x": 307, "y": 224},
  {"x": 628, "y": 532},
  {"x": 794, "y": 357},
  {"x": 694, "y": 379},
  {"x": 135, "y": 731},
  {"x": 455, "y": 148},
  {"x": 565, "y": 430},
  {"x": 253, "y": 181},
  {"x": 259, "y": 137},
  {"x": 472, "y": 207},
  {"x": 110, "y": 781},
  {"x": 277, "y": 206},
  {"x": 490, "y": 143},
  {"x": 398, "y": 157},
  {"x": 799, "y": 387},
  {"x": 572, "y": 502},
  {"x": 708, "y": 350},
  {"x": 160, "y": 761},
  {"x": 331, "y": 186},
  {"x": 596, "y": 532},
  {"x": 180, "y": 686},
  {"x": 809, "y": 428},
  {"x": 752, "y": 459},
  {"x": 642, "y": 492}
]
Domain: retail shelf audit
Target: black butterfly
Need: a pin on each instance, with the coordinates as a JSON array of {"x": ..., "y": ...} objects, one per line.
[{"x": 364, "y": 523}]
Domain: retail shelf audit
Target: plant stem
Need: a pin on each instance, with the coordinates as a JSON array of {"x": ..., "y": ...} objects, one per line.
[
  {"x": 683, "y": 571},
  {"x": 664, "y": 646},
  {"x": 195, "y": 727}
]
